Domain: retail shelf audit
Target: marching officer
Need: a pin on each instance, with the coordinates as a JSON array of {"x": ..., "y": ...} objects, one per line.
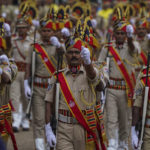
[
  {"x": 144, "y": 40},
  {"x": 78, "y": 80},
  {"x": 137, "y": 110},
  {"x": 120, "y": 59},
  {"x": 45, "y": 50},
  {"x": 20, "y": 49},
  {"x": 8, "y": 71}
]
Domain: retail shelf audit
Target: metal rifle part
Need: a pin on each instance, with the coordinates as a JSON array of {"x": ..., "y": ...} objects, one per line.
[
  {"x": 145, "y": 104},
  {"x": 28, "y": 110},
  {"x": 107, "y": 63},
  {"x": 57, "y": 94}
]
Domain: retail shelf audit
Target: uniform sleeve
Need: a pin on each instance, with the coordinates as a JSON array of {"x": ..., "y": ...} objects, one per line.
[
  {"x": 50, "y": 90},
  {"x": 137, "y": 49},
  {"x": 101, "y": 77},
  {"x": 103, "y": 54},
  {"x": 138, "y": 94}
]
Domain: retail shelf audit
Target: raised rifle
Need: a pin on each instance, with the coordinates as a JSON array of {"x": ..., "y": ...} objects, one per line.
[
  {"x": 28, "y": 110},
  {"x": 145, "y": 104}
]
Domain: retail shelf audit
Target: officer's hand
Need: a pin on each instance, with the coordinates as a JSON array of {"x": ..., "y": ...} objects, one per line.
[
  {"x": 51, "y": 139},
  {"x": 54, "y": 41},
  {"x": 7, "y": 29},
  {"x": 65, "y": 32},
  {"x": 129, "y": 30},
  {"x": 27, "y": 89},
  {"x": 4, "y": 59},
  {"x": 85, "y": 54},
  {"x": 35, "y": 23},
  {"x": 1, "y": 71},
  {"x": 148, "y": 36},
  {"x": 94, "y": 23},
  {"x": 134, "y": 136}
]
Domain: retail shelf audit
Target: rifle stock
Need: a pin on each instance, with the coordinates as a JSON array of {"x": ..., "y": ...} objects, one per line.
[{"x": 28, "y": 110}]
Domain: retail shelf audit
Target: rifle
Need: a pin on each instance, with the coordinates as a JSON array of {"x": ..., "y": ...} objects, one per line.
[
  {"x": 103, "y": 93},
  {"x": 145, "y": 104},
  {"x": 54, "y": 119},
  {"x": 28, "y": 110}
]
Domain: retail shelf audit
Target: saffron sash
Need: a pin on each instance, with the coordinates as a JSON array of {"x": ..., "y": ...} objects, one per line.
[
  {"x": 66, "y": 91},
  {"x": 124, "y": 73},
  {"x": 143, "y": 57}
]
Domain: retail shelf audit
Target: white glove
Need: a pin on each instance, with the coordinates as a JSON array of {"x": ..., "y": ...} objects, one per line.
[
  {"x": 148, "y": 36},
  {"x": 65, "y": 32},
  {"x": 1, "y": 71},
  {"x": 16, "y": 11},
  {"x": 4, "y": 58},
  {"x": 129, "y": 30},
  {"x": 4, "y": 15},
  {"x": 94, "y": 23},
  {"x": 134, "y": 136},
  {"x": 85, "y": 54},
  {"x": 51, "y": 139},
  {"x": 7, "y": 29},
  {"x": 27, "y": 89},
  {"x": 36, "y": 23},
  {"x": 54, "y": 40}
]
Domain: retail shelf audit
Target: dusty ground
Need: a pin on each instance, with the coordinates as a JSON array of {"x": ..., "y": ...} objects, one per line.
[{"x": 24, "y": 141}]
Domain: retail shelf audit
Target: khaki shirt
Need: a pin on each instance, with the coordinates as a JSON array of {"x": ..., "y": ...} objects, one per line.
[
  {"x": 40, "y": 68},
  {"x": 144, "y": 44},
  {"x": 127, "y": 56},
  {"x": 79, "y": 83},
  {"x": 23, "y": 47}
]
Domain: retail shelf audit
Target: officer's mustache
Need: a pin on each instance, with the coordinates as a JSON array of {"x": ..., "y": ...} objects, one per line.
[{"x": 74, "y": 58}]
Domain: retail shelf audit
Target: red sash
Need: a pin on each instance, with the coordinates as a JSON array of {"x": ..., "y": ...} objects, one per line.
[
  {"x": 69, "y": 99},
  {"x": 122, "y": 69},
  {"x": 45, "y": 58},
  {"x": 143, "y": 57},
  {"x": 7, "y": 126}
]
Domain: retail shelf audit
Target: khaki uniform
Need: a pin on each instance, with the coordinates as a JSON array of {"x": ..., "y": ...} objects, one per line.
[
  {"x": 144, "y": 44},
  {"x": 117, "y": 110},
  {"x": 138, "y": 102},
  {"x": 70, "y": 134},
  {"x": 5, "y": 107},
  {"x": 41, "y": 80},
  {"x": 20, "y": 51}
]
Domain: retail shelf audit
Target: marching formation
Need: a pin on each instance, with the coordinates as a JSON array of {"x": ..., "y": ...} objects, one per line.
[{"x": 77, "y": 72}]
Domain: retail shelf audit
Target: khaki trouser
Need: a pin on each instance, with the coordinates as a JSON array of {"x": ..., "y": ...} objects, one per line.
[
  {"x": 117, "y": 113},
  {"x": 70, "y": 137},
  {"x": 38, "y": 108},
  {"x": 146, "y": 139},
  {"x": 17, "y": 93}
]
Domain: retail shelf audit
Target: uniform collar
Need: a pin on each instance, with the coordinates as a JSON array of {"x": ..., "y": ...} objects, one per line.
[{"x": 67, "y": 71}]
